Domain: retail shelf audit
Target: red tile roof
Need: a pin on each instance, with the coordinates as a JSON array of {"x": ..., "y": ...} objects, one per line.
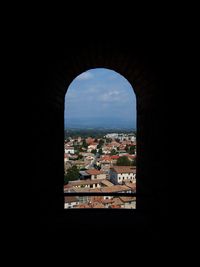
[
  {"x": 114, "y": 157},
  {"x": 69, "y": 199},
  {"x": 124, "y": 169},
  {"x": 94, "y": 172},
  {"x": 106, "y": 158}
]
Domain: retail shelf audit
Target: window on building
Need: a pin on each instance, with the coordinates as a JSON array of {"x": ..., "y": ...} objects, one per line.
[{"x": 100, "y": 110}]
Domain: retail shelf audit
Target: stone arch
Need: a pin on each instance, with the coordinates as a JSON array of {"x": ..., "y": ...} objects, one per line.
[{"x": 143, "y": 74}]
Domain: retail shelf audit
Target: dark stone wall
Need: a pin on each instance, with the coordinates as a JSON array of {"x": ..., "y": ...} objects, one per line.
[{"x": 144, "y": 67}]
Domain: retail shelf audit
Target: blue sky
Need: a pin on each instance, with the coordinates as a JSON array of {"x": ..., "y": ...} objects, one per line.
[{"x": 100, "y": 97}]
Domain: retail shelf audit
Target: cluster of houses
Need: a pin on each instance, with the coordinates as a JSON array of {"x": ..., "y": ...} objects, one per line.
[
  {"x": 121, "y": 136},
  {"x": 99, "y": 173}
]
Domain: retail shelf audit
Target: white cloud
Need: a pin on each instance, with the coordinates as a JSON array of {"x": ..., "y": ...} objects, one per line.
[
  {"x": 85, "y": 76},
  {"x": 110, "y": 96}
]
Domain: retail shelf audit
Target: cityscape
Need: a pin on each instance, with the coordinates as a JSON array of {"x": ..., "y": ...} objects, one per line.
[
  {"x": 100, "y": 142},
  {"x": 100, "y": 165}
]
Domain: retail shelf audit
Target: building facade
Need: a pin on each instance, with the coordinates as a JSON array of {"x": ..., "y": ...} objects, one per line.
[{"x": 122, "y": 174}]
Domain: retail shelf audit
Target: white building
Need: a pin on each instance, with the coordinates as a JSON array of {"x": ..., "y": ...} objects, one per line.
[
  {"x": 82, "y": 184},
  {"x": 96, "y": 174},
  {"x": 92, "y": 147},
  {"x": 69, "y": 150},
  {"x": 71, "y": 202},
  {"x": 112, "y": 135},
  {"x": 128, "y": 202},
  {"x": 122, "y": 174},
  {"x": 122, "y": 136},
  {"x": 127, "y": 137}
]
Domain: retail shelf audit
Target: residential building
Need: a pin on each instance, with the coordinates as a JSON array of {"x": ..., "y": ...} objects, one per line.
[
  {"x": 121, "y": 174},
  {"x": 69, "y": 149},
  {"x": 71, "y": 202},
  {"x": 96, "y": 174}
]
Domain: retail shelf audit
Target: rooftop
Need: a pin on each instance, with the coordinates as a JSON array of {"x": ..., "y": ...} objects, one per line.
[
  {"x": 94, "y": 172},
  {"x": 127, "y": 199},
  {"x": 114, "y": 188},
  {"x": 85, "y": 182},
  {"x": 107, "y": 183},
  {"x": 71, "y": 199},
  {"x": 124, "y": 169}
]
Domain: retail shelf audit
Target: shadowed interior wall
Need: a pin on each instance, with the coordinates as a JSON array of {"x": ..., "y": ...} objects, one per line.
[{"x": 143, "y": 68}]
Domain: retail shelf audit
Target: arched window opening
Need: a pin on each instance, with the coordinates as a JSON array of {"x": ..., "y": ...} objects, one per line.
[{"x": 100, "y": 141}]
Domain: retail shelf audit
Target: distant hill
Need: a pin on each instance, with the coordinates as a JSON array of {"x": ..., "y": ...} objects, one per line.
[
  {"x": 95, "y": 133},
  {"x": 104, "y": 123}
]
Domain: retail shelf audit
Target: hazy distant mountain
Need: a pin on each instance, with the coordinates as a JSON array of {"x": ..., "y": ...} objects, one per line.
[{"x": 100, "y": 122}]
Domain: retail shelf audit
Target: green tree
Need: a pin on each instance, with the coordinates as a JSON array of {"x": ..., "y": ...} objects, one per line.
[
  {"x": 97, "y": 167},
  {"x": 85, "y": 145},
  {"x": 80, "y": 156},
  {"x": 76, "y": 149},
  {"x": 94, "y": 151},
  {"x": 113, "y": 152},
  {"x": 123, "y": 161},
  {"x": 72, "y": 174},
  {"x": 101, "y": 142},
  {"x": 100, "y": 151},
  {"x": 127, "y": 148},
  {"x": 132, "y": 150}
]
